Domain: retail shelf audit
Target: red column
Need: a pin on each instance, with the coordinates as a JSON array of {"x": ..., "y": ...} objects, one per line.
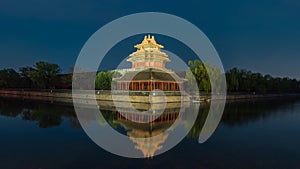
[{"x": 139, "y": 86}]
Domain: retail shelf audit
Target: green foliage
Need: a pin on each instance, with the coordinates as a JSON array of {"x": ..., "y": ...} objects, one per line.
[
  {"x": 238, "y": 80},
  {"x": 232, "y": 80},
  {"x": 9, "y": 78},
  {"x": 44, "y": 74},
  {"x": 26, "y": 82},
  {"x": 199, "y": 72},
  {"x": 191, "y": 84},
  {"x": 247, "y": 81},
  {"x": 103, "y": 80}
]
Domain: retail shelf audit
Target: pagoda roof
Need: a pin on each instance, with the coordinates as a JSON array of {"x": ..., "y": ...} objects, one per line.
[
  {"x": 150, "y": 74},
  {"x": 148, "y": 41}
]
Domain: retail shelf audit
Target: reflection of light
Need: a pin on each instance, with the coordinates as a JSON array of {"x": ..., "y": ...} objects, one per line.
[
  {"x": 150, "y": 145},
  {"x": 152, "y": 132}
]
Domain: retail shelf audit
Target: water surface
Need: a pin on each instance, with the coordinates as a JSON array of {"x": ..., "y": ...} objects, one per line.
[{"x": 252, "y": 134}]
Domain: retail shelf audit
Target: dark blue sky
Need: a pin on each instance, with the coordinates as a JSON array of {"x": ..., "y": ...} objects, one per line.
[{"x": 259, "y": 35}]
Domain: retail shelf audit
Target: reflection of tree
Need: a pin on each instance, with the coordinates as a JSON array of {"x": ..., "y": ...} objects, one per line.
[
  {"x": 238, "y": 113},
  {"x": 199, "y": 123},
  {"x": 10, "y": 110},
  {"x": 110, "y": 117},
  {"x": 46, "y": 115},
  {"x": 50, "y": 115}
]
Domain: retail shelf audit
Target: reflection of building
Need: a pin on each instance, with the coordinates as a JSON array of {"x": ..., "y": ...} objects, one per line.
[
  {"x": 148, "y": 117},
  {"x": 138, "y": 126},
  {"x": 148, "y": 70},
  {"x": 150, "y": 145}
]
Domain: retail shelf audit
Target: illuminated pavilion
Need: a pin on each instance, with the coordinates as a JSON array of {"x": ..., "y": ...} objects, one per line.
[{"x": 148, "y": 70}]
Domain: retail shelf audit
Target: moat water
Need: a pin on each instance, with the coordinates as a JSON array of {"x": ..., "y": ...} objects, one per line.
[{"x": 261, "y": 133}]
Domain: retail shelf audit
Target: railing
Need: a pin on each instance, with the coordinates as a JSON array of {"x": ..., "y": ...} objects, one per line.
[
  {"x": 147, "y": 93},
  {"x": 122, "y": 71},
  {"x": 38, "y": 90},
  {"x": 102, "y": 92}
]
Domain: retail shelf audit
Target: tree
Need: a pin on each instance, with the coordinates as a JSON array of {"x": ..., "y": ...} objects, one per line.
[
  {"x": 191, "y": 81},
  {"x": 9, "y": 78},
  {"x": 233, "y": 79},
  {"x": 247, "y": 81},
  {"x": 103, "y": 80},
  {"x": 200, "y": 70},
  {"x": 44, "y": 74},
  {"x": 26, "y": 82}
]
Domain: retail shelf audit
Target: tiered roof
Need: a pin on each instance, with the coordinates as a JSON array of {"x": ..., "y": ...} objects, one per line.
[
  {"x": 148, "y": 49},
  {"x": 150, "y": 74}
]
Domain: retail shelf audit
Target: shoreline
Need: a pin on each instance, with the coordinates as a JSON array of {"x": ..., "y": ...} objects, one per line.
[{"x": 65, "y": 96}]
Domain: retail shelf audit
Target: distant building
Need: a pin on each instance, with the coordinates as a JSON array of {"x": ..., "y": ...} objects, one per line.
[{"x": 148, "y": 70}]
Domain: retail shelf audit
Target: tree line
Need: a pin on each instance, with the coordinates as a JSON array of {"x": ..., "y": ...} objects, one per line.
[
  {"x": 241, "y": 80},
  {"x": 41, "y": 75},
  {"x": 247, "y": 81},
  {"x": 44, "y": 75}
]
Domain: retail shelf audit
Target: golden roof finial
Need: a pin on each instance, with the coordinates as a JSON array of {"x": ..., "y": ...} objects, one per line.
[{"x": 148, "y": 40}]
